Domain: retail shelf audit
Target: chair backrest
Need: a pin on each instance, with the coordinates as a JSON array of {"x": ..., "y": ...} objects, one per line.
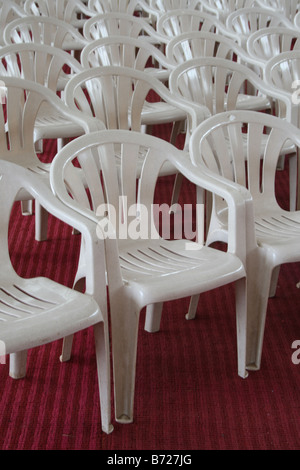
[
  {"x": 282, "y": 72},
  {"x": 289, "y": 9},
  {"x": 245, "y": 21},
  {"x": 267, "y": 43},
  {"x": 230, "y": 144},
  {"x": 42, "y": 30},
  {"x": 123, "y": 24},
  {"x": 109, "y": 6},
  {"x": 197, "y": 44},
  {"x": 65, "y": 10},
  {"x": 176, "y": 22},
  {"x": 20, "y": 106},
  {"x": 222, "y": 8},
  {"x": 115, "y": 95},
  {"x": 125, "y": 51},
  {"x": 112, "y": 192},
  {"x": 167, "y": 5},
  {"x": 46, "y": 65},
  {"x": 9, "y": 11},
  {"x": 213, "y": 82}
]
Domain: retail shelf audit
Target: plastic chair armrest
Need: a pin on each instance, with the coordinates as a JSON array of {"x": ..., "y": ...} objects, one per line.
[{"x": 241, "y": 232}]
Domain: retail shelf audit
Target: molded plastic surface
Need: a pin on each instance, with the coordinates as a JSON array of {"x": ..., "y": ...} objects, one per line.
[
  {"x": 273, "y": 234},
  {"x": 37, "y": 311},
  {"x": 147, "y": 270}
]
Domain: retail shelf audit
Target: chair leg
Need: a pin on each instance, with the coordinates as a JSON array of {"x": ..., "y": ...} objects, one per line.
[
  {"x": 294, "y": 181},
  {"x": 61, "y": 143},
  {"x": 26, "y": 207},
  {"x": 153, "y": 317},
  {"x": 177, "y": 127},
  {"x": 274, "y": 281},
  {"x": 176, "y": 189},
  {"x": 259, "y": 275},
  {"x": 124, "y": 327},
  {"x": 103, "y": 372},
  {"x": 17, "y": 365},
  {"x": 79, "y": 285},
  {"x": 66, "y": 348},
  {"x": 193, "y": 307},
  {"x": 41, "y": 222},
  {"x": 241, "y": 325},
  {"x": 39, "y": 146}
]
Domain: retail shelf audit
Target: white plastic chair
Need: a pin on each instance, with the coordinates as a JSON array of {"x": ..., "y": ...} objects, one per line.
[
  {"x": 222, "y": 8},
  {"x": 38, "y": 310},
  {"x": 44, "y": 30},
  {"x": 47, "y": 66},
  {"x": 109, "y": 6},
  {"x": 136, "y": 53},
  {"x": 273, "y": 234},
  {"x": 146, "y": 270},
  {"x": 121, "y": 24},
  {"x": 282, "y": 73},
  {"x": 199, "y": 44},
  {"x": 246, "y": 21},
  {"x": 288, "y": 8},
  {"x": 266, "y": 43},
  {"x": 176, "y": 22},
  {"x": 9, "y": 11},
  {"x": 157, "y": 8},
  {"x": 69, "y": 11},
  {"x": 118, "y": 96},
  {"x": 221, "y": 85},
  {"x": 167, "y": 5},
  {"x": 128, "y": 52},
  {"x": 23, "y": 103}
]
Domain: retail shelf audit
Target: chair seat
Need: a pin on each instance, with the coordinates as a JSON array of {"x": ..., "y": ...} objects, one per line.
[
  {"x": 279, "y": 232},
  {"x": 288, "y": 147},
  {"x": 255, "y": 103},
  {"x": 54, "y": 125},
  {"x": 41, "y": 311},
  {"x": 157, "y": 267},
  {"x": 70, "y": 45},
  {"x": 161, "y": 113}
]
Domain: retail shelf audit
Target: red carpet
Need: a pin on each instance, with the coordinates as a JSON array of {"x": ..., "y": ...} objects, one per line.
[{"x": 188, "y": 394}]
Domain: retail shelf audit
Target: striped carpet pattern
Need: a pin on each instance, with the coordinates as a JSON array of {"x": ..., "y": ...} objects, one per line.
[{"x": 188, "y": 394}]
